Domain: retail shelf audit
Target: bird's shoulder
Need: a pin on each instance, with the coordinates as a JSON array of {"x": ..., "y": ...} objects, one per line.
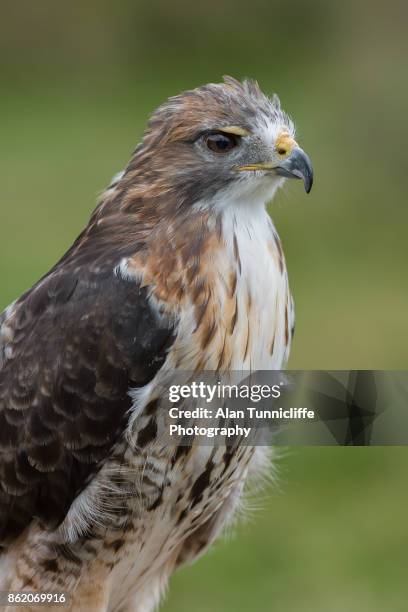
[{"x": 70, "y": 350}]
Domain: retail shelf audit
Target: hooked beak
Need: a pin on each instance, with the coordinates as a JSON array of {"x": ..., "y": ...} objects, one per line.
[{"x": 296, "y": 165}]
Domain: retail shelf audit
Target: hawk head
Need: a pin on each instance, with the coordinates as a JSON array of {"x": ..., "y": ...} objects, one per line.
[{"x": 216, "y": 144}]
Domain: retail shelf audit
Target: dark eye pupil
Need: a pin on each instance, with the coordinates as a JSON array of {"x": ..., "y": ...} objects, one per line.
[{"x": 220, "y": 143}]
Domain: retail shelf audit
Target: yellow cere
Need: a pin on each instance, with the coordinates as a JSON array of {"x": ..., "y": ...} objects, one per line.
[{"x": 285, "y": 143}]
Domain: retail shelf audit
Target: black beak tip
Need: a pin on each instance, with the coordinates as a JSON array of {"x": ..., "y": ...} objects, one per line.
[{"x": 308, "y": 183}]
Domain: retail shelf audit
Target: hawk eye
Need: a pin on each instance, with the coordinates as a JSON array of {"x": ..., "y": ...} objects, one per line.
[{"x": 221, "y": 142}]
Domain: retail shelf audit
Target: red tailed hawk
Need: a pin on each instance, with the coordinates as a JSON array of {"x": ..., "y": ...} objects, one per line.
[{"x": 179, "y": 268}]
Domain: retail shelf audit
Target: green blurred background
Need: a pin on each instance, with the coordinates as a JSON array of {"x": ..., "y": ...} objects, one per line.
[{"x": 77, "y": 82}]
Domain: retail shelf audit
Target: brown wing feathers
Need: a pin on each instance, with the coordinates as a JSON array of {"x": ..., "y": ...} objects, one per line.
[{"x": 78, "y": 343}]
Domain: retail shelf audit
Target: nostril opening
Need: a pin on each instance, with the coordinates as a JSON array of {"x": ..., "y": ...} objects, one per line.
[{"x": 282, "y": 151}]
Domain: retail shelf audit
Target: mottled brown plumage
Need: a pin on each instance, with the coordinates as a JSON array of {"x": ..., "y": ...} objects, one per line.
[{"x": 179, "y": 268}]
